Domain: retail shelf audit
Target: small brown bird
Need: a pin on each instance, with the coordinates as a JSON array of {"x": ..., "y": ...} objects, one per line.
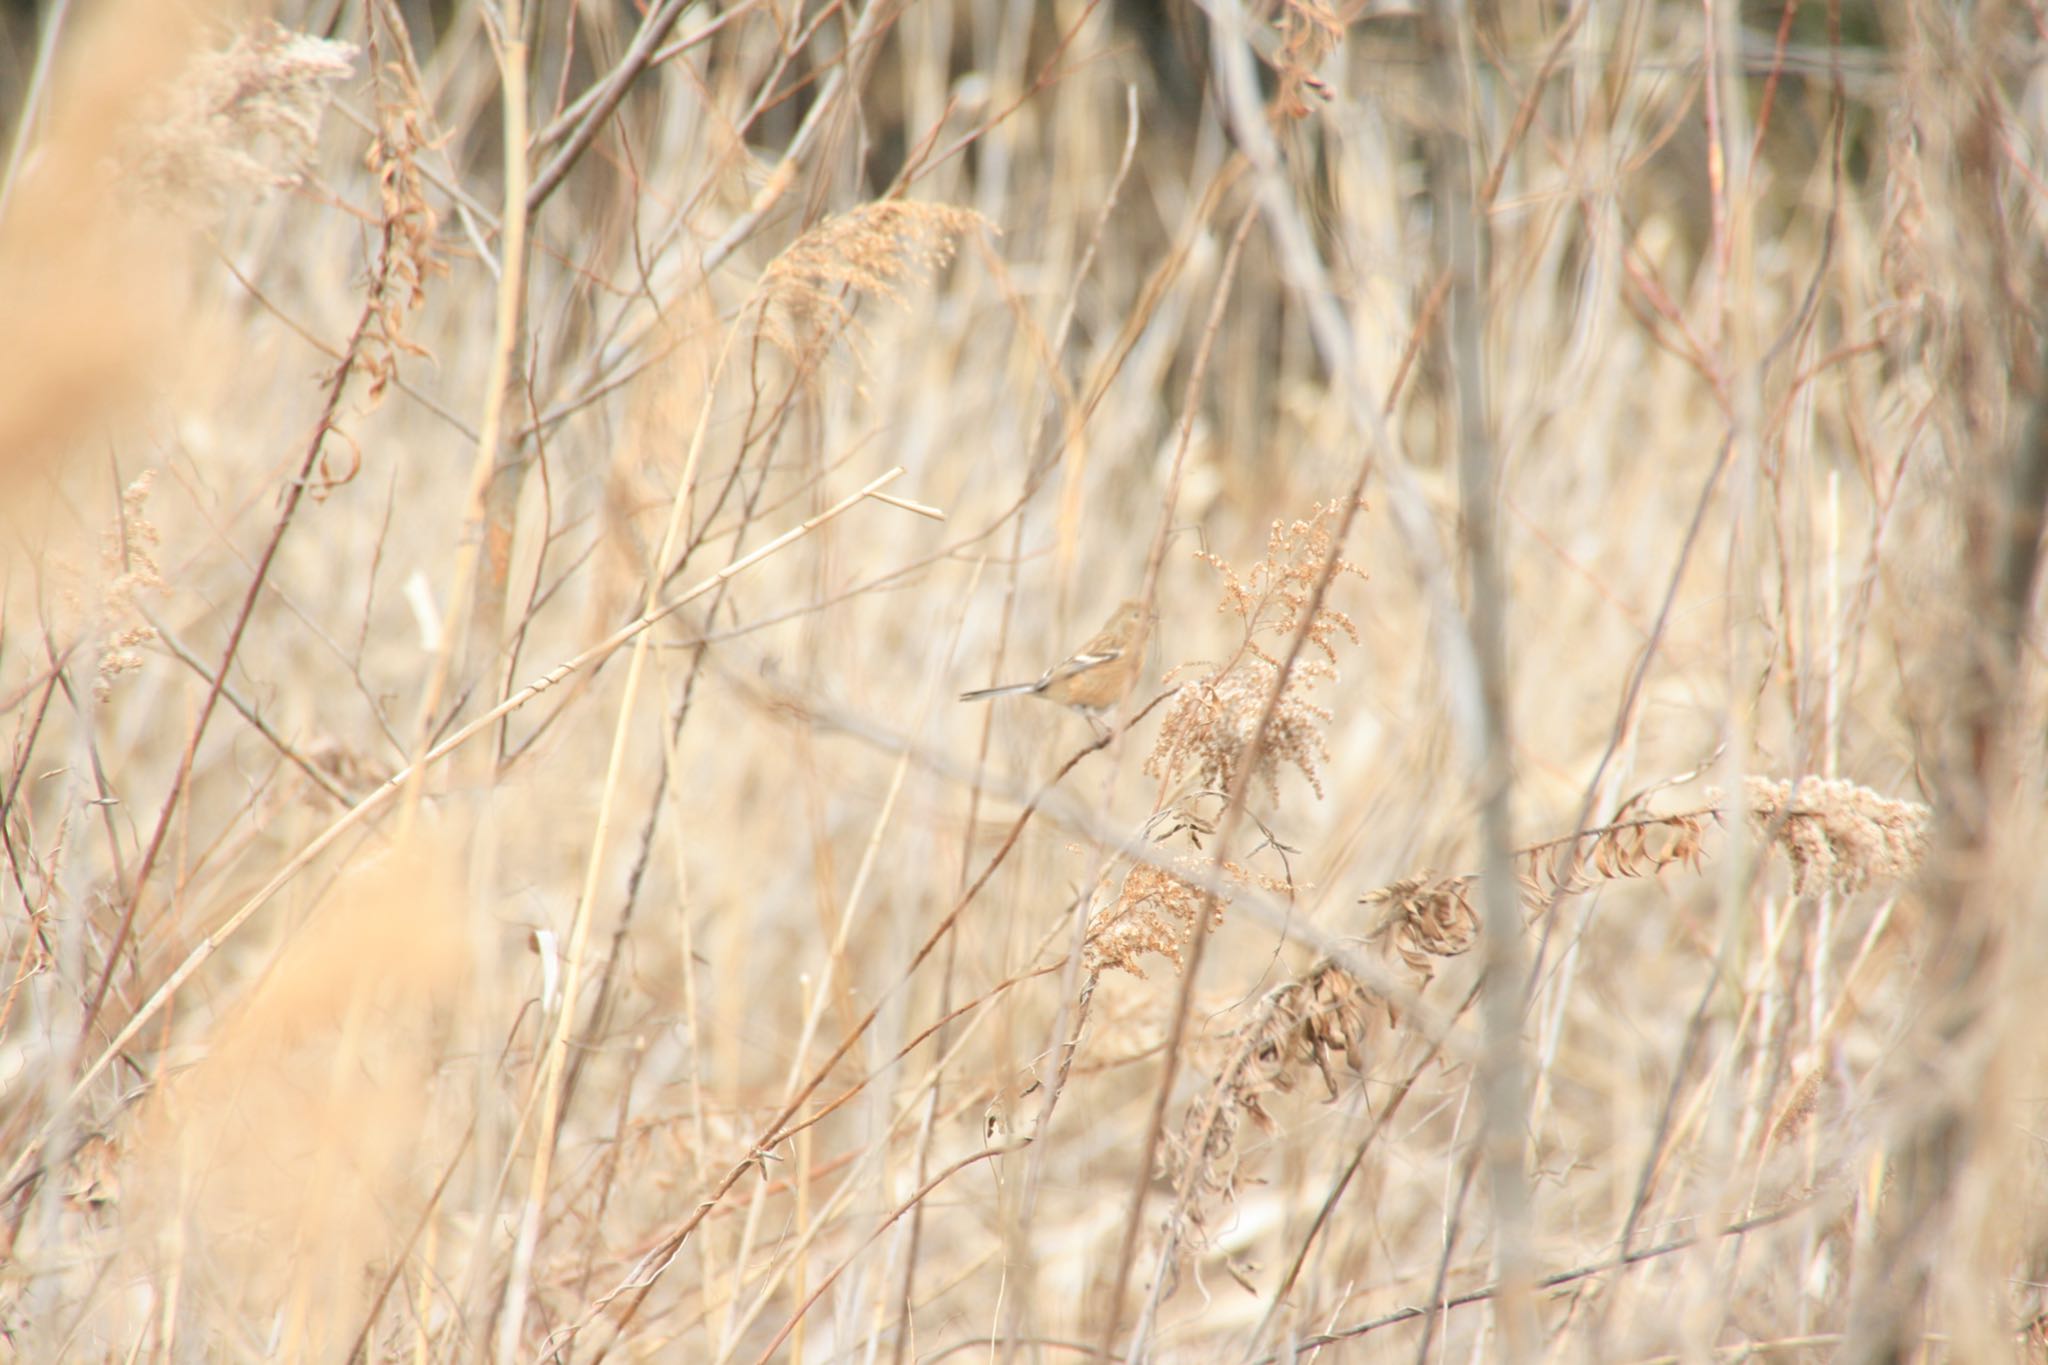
[{"x": 1098, "y": 675}]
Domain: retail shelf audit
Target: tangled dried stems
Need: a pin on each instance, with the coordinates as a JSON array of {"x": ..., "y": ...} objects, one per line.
[
  {"x": 1320, "y": 1016},
  {"x": 1207, "y": 739}
]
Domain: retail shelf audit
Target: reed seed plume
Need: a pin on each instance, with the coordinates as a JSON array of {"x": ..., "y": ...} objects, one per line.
[
  {"x": 89, "y": 276},
  {"x": 267, "y": 1166},
  {"x": 242, "y": 119},
  {"x": 873, "y": 250}
]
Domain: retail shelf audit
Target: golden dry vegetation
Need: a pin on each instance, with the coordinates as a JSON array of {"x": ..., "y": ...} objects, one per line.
[{"x": 499, "y": 503}]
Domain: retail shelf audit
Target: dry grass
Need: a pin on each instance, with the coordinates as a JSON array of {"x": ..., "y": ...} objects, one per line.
[{"x": 490, "y": 867}]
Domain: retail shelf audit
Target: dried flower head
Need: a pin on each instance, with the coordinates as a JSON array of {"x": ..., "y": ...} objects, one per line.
[
  {"x": 1838, "y": 833},
  {"x": 1213, "y": 721},
  {"x": 1209, "y": 729},
  {"x": 1276, "y": 595},
  {"x": 1153, "y": 909},
  {"x": 245, "y": 118},
  {"x": 1155, "y": 905}
]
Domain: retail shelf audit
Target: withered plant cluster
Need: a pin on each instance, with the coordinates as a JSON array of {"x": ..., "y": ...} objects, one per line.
[
  {"x": 1221, "y": 712},
  {"x": 410, "y": 253},
  {"x": 1835, "y": 835},
  {"x": 497, "y": 500}
]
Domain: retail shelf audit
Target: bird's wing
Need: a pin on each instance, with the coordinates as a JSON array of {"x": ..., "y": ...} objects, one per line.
[{"x": 1092, "y": 655}]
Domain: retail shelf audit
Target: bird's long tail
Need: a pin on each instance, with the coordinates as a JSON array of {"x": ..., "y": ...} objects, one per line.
[{"x": 1011, "y": 690}]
